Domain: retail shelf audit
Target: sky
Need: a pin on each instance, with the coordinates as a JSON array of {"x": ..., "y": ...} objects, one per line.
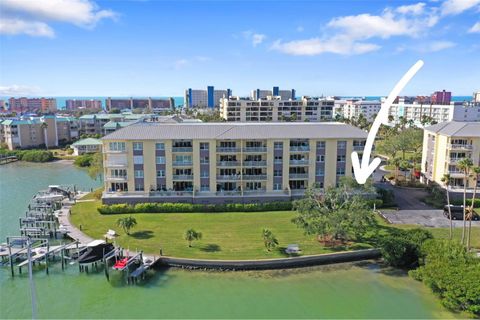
[{"x": 160, "y": 48}]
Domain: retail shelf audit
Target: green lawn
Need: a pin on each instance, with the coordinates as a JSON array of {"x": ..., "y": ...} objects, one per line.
[{"x": 235, "y": 235}]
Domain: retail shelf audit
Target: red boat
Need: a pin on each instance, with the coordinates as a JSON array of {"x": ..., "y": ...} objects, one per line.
[{"x": 120, "y": 264}]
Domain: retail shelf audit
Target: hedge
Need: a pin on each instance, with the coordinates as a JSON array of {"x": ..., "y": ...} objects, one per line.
[
  {"x": 459, "y": 202},
  {"x": 188, "y": 207}
]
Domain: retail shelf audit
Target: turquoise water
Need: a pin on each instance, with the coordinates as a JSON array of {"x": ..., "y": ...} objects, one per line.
[{"x": 340, "y": 291}]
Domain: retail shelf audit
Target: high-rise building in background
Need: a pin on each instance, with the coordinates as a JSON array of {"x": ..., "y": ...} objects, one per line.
[
  {"x": 23, "y": 105},
  {"x": 73, "y": 104},
  {"x": 257, "y": 94},
  {"x": 154, "y": 104},
  {"x": 476, "y": 97},
  {"x": 205, "y": 98},
  {"x": 441, "y": 97}
]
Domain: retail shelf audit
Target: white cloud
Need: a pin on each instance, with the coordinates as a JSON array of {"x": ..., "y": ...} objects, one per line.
[
  {"x": 436, "y": 46},
  {"x": 414, "y": 9},
  {"x": 300, "y": 29},
  {"x": 315, "y": 46},
  {"x": 15, "y": 90},
  {"x": 31, "y": 17},
  {"x": 255, "y": 38},
  {"x": 84, "y": 13},
  {"x": 475, "y": 28},
  {"x": 31, "y": 28},
  {"x": 452, "y": 7}
]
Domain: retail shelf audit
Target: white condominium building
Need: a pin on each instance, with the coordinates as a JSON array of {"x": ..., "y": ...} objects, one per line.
[
  {"x": 437, "y": 112},
  {"x": 275, "y": 109},
  {"x": 264, "y": 94},
  {"x": 205, "y": 98},
  {"x": 353, "y": 108}
]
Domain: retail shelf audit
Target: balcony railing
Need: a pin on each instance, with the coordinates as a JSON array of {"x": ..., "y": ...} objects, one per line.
[
  {"x": 254, "y": 163},
  {"x": 254, "y": 149},
  {"x": 298, "y": 175},
  {"x": 182, "y": 163},
  {"x": 255, "y": 177},
  {"x": 116, "y": 164},
  {"x": 358, "y": 148},
  {"x": 228, "y": 149},
  {"x": 246, "y": 191},
  {"x": 461, "y": 146},
  {"x": 298, "y": 162},
  {"x": 300, "y": 148},
  {"x": 182, "y": 149},
  {"x": 454, "y": 160},
  {"x": 228, "y": 163},
  {"x": 116, "y": 178},
  {"x": 228, "y": 177},
  {"x": 116, "y": 151},
  {"x": 182, "y": 177}
]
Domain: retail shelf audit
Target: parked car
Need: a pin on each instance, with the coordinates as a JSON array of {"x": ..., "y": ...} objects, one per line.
[{"x": 457, "y": 213}]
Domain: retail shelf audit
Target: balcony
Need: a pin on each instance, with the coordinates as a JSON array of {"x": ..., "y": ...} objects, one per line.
[
  {"x": 254, "y": 163},
  {"x": 298, "y": 175},
  {"x": 116, "y": 151},
  {"x": 228, "y": 163},
  {"x": 255, "y": 177},
  {"x": 255, "y": 149},
  {"x": 298, "y": 162},
  {"x": 227, "y": 149},
  {"x": 182, "y": 177},
  {"x": 455, "y": 160},
  {"x": 254, "y": 191},
  {"x": 231, "y": 177},
  {"x": 182, "y": 149},
  {"x": 116, "y": 178},
  {"x": 456, "y": 174},
  {"x": 113, "y": 164},
  {"x": 182, "y": 163},
  {"x": 455, "y": 146},
  {"x": 299, "y": 148},
  {"x": 358, "y": 148}
]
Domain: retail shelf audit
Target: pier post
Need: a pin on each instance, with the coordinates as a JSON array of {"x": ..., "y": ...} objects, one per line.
[
  {"x": 62, "y": 253},
  {"x": 10, "y": 258},
  {"x": 46, "y": 258}
]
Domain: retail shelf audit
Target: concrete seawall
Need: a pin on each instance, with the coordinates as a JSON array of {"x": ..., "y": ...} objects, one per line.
[{"x": 265, "y": 264}]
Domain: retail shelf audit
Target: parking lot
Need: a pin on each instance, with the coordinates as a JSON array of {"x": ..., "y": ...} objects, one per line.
[{"x": 424, "y": 217}]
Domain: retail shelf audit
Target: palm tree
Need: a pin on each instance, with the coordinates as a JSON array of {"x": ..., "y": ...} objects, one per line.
[
  {"x": 127, "y": 223},
  {"x": 465, "y": 165},
  {"x": 269, "y": 239},
  {"x": 446, "y": 181},
  {"x": 476, "y": 174},
  {"x": 397, "y": 161},
  {"x": 191, "y": 235}
]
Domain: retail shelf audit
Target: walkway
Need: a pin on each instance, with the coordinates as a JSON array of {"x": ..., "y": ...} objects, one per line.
[{"x": 64, "y": 220}]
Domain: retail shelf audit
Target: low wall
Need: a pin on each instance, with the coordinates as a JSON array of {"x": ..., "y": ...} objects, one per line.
[{"x": 282, "y": 263}]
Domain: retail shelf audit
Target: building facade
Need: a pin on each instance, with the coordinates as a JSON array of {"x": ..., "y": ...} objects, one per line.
[
  {"x": 89, "y": 145},
  {"x": 32, "y": 132},
  {"x": 225, "y": 162},
  {"x": 258, "y": 94},
  {"x": 444, "y": 145},
  {"x": 209, "y": 98},
  {"x": 23, "y": 105},
  {"x": 355, "y": 108},
  {"x": 74, "y": 104},
  {"x": 441, "y": 97},
  {"x": 154, "y": 104},
  {"x": 275, "y": 109},
  {"x": 476, "y": 97}
]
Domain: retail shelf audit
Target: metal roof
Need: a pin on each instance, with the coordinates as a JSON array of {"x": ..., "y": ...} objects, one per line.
[
  {"x": 87, "y": 142},
  {"x": 456, "y": 129},
  {"x": 263, "y": 130}
]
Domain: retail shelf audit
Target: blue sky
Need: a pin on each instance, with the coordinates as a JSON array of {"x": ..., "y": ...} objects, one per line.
[{"x": 159, "y": 48}]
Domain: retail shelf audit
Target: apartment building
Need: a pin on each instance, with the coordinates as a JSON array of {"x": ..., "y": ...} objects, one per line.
[
  {"x": 354, "y": 108},
  {"x": 103, "y": 123},
  {"x": 441, "y": 97},
  {"x": 275, "y": 109},
  {"x": 438, "y": 112},
  {"x": 225, "y": 162},
  {"x": 32, "y": 132},
  {"x": 205, "y": 98},
  {"x": 74, "y": 104},
  {"x": 23, "y": 105},
  {"x": 444, "y": 145},
  {"x": 154, "y": 104},
  {"x": 476, "y": 97},
  {"x": 258, "y": 94}
]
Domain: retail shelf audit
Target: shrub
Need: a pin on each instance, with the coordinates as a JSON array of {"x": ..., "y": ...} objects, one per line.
[
  {"x": 469, "y": 202},
  {"x": 97, "y": 194},
  {"x": 188, "y": 207},
  {"x": 387, "y": 196},
  {"x": 84, "y": 160},
  {"x": 35, "y": 155}
]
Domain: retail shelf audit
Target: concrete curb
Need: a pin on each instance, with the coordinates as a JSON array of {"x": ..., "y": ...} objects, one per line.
[{"x": 266, "y": 264}]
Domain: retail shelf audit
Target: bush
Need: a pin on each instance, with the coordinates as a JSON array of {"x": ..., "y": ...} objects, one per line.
[
  {"x": 403, "y": 248},
  {"x": 469, "y": 202},
  {"x": 97, "y": 194},
  {"x": 35, "y": 155},
  {"x": 452, "y": 273},
  {"x": 387, "y": 196},
  {"x": 188, "y": 207},
  {"x": 84, "y": 160}
]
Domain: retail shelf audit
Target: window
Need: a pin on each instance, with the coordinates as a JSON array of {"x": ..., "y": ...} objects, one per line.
[
  {"x": 116, "y": 146},
  {"x": 204, "y": 174},
  {"x": 160, "y": 160},
  {"x": 138, "y": 146},
  {"x": 277, "y": 186},
  {"x": 160, "y": 146},
  {"x": 204, "y": 145},
  {"x": 205, "y": 187},
  {"x": 321, "y": 158},
  {"x": 204, "y": 160},
  {"x": 278, "y": 159},
  {"x": 278, "y": 145},
  {"x": 320, "y": 172},
  {"x": 139, "y": 187},
  {"x": 341, "y": 158},
  {"x": 342, "y": 144},
  {"x": 277, "y": 173},
  {"x": 340, "y": 171},
  {"x": 138, "y": 159},
  {"x": 160, "y": 173},
  {"x": 138, "y": 173},
  {"x": 320, "y": 144}
]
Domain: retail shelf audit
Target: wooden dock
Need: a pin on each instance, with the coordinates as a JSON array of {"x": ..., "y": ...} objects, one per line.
[{"x": 7, "y": 159}]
